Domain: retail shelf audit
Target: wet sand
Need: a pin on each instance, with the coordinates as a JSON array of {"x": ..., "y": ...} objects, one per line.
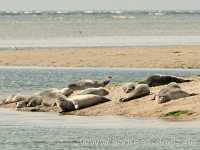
[{"x": 151, "y": 57}]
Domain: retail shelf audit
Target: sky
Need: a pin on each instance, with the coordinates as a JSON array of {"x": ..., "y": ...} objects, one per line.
[{"x": 99, "y": 4}]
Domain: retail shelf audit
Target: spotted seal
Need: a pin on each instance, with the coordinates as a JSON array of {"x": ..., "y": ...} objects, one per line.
[
  {"x": 171, "y": 92},
  {"x": 141, "y": 90},
  {"x": 157, "y": 80},
  {"x": 96, "y": 91},
  {"x": 84, "y": 84},
  {"x": 82, "y": 101},
  {"x": 128, "y": 87}
]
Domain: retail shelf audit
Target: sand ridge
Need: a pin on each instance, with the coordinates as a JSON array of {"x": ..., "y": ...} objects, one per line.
[{"x": 141, "y": 57}]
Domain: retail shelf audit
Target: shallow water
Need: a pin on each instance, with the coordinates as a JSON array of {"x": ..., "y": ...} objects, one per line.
[
  {"x": 99, "y": 28},
  {"x": 44, "y": 131},
  {"x": 28, "y": 80},
  {"x": 48, "y": 131}
]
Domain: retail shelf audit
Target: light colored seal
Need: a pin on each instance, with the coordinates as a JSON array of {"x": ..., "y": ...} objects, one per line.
[
  {"x": 167, "y": 88},
  {"x": 34, "y": 101},
  {"x": 82, "y": 101},
  {"x": 85, "y": 84},
  {"x": 15, "y": 99},
  {"x": 171, "y": 92},
  {"x": 141, "y": 90},
  {"x": 64, "y": 105},
  {"x": 157, "y": 80},
  {"x": 96, "y": 91},
  {"x": 22, "y": 104},
  {"x": 49, "y": 96},
  {"x": 128, "y": 87},
  {"x": 66, "y": 91}
]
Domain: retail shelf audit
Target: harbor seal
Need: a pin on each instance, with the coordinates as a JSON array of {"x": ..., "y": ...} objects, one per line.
[
  {"x": 34, "y": 101},
  {"x": 128, "y": 87},
  {"x": 85, "y": 84},
  {"x": 157, "y": 80},
  {"x": 15, "y": 99},
  {"x": 96, "y": 91},
  {"x": 82, "y": 101},
  {"x": 22, "y": 104},
  {"x": 167, "y": 88},
  {"x": 171, "y": 92},
  {"x": 141, "y": 90},
  {"x": 64, "y": 105},
  {"x": 49, "y": 96},
  {"x": 66, "y": 91}
]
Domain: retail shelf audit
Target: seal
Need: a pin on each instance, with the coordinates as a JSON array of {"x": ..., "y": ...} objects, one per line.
[
  {"x": 85, "y": 84},
  {"x": 96, "y": 91},
  {"x": 83, "y": 101},
  {"x": 167, "y": 88},
  {"x": 49, "y": 96},
  {"x": 128, "y": 87},
  {"x": 15, "y": 99},
  {"x": 157, "y": 80},
  {"x": 22, "y": 104},
  {"x": 64, "y": 105},
  {"x": 66, "y": 91},
  {"x": 141, "y": 90},
  {"x": 171, "y": 92},
  {"x": 34, "y": 101}
]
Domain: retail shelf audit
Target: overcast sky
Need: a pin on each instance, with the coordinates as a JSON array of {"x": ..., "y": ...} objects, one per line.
[{"x": 98, "y": 4}]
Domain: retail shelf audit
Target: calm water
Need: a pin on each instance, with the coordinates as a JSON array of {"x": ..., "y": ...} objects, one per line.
[
  {"x": 29, "y": 80},
  {"x": 52, "y": 132},
  {"x": 99, "y": 28}
]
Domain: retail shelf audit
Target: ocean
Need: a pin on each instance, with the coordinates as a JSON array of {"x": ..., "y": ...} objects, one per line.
[{"x": 33, "y": 29}]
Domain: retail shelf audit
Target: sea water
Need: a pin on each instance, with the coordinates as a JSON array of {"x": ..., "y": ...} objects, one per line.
[
  {"x": 98, "y": 28},
  {"x": 48, "y": 131},
  {"x": 28, "y": 80}
]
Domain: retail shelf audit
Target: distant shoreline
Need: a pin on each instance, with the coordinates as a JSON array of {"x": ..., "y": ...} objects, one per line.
[{"x": 105, "y": 57}]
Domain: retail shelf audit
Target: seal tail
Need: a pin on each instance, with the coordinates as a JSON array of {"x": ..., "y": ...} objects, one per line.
[
  {"x": 188, "y": 80},
  {"x": 105, "y": 99},
  {"x": 193, "y": 94}
]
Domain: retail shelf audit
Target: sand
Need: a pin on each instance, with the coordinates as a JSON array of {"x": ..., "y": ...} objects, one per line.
[
  {"x": 143, "y": 107},
  {"x": 151, "y": 57}
]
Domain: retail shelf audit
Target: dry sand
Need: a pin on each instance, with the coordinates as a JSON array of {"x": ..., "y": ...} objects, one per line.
[
  {"x": 144, "y": 107},
  {"x": 154, "y": 57}
]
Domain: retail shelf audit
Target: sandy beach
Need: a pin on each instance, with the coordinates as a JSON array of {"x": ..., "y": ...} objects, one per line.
[
  {"x": 180, "y": 109},
  {"x": 141, "y": 57}
]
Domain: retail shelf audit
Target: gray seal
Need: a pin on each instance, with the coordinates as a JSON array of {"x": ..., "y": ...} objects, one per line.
[
  {"x": 64, "y": 105},
  {"x": 141, "y": 90},
  {"x": 171, "y": 92},
  {"x": 22, "y": 104},
  {"x": 34, "y": 101},
  {"x": 167, "y": 88},
  {"x": 96, "y": 91},
  {"x": 85, "y": 84},
  {"x": 15, "y": 99},
  {"x": 128, "y": 87},
  {"x": 157, "y": 80},
  {"x": 49, "y": 97},
  {"x": 66, "y": 91},
  {"x": 82, "y": 101}
]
